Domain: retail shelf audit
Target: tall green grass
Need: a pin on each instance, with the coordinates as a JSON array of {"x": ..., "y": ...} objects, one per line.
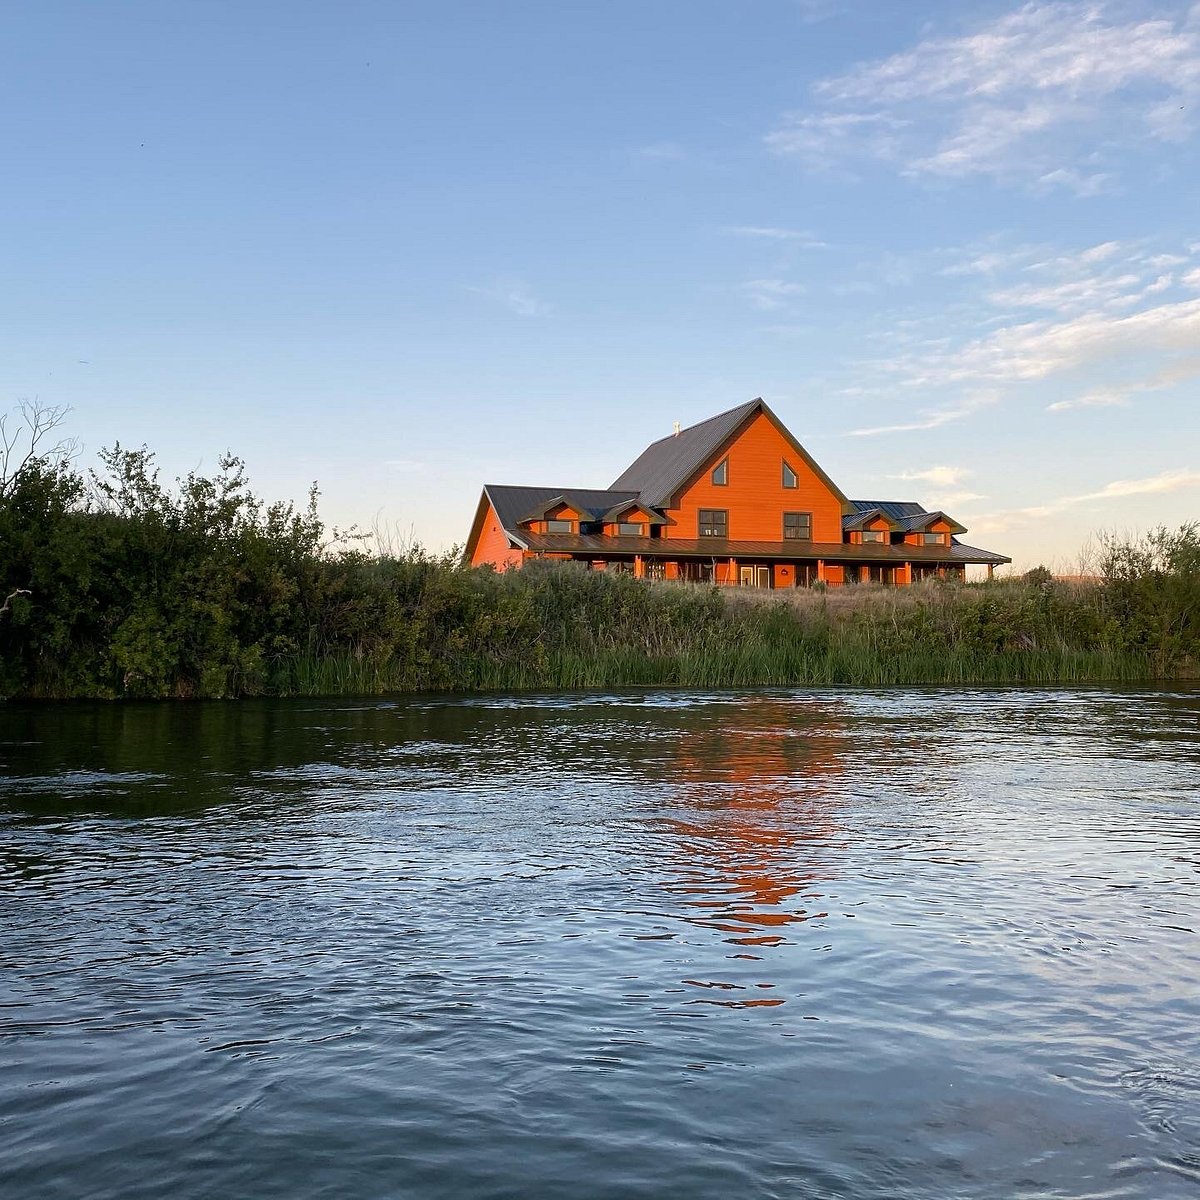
[{"x": 586, "y": 631}]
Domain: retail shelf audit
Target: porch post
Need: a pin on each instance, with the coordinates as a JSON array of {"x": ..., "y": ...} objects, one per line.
[
  {"x": 820, "y": 570},
  {"x": 732, "y": 581},
  {"x": 638, "y": 567},
  {"x": 991, "y": 569}
]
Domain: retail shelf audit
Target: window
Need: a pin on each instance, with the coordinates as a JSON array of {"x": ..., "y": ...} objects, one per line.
[
  {"x": 720, "y": 475},
  {"x": 873, "y": 535},
  {"x": 934, "y": 539},
  {"x": 560, "y": 526},
  {"x": 714, "y": 523},
  {"x": 631, "y": 529},
  {"x": 790, "y": 478},
  {"x": 797, "y": 527}
]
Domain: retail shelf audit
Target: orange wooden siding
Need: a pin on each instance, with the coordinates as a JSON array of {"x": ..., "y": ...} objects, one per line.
[
  {"x": 492, "y": 546},
  {"x": 755, "y": 497},
  {"x": 918, "y": 539}
]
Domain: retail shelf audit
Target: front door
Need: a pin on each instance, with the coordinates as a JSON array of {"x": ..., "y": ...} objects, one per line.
[{"x": 754, "y": 577}]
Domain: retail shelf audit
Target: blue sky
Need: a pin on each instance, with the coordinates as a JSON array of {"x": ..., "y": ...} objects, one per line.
[{"x": 408, "y": 248}]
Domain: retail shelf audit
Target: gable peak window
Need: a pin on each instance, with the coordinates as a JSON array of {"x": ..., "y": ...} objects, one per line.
[
  {"x": 797, "y": 527},
  {"x": 790, "y": 478},
  {"x": 714, "y": 523},
  {"x": 720, "y": 475}
]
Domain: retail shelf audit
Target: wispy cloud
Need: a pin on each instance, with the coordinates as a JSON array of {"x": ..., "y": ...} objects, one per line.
[
  {"x": 1035, "y": 94},
  {"x": 771, "y": 294},
  {"x": 662, "y": 152},
  {"x": 931, "y": 418},
  {"x": 797, "y": 237},
  {"x": 1088, "y": 328},
  {"x": 1119, "y": 489},
  {"x": 941, "y": 476},
  {"x": 1119, "y": 396},
  {"x": 515, "y": 295}
]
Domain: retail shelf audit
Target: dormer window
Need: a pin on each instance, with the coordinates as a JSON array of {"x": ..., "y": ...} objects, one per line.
[
  {"x": 720, "y": 475},
  {"x": 934, "y": 539},
  {"x": 790, "y": 478},
  {"x": 873, "y": 535},
  {"x": 631, "y": 529},
  {"x": 560, "y": 526}
]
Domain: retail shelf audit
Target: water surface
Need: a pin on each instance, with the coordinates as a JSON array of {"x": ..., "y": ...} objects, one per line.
[{"x": 802, "y": 944}]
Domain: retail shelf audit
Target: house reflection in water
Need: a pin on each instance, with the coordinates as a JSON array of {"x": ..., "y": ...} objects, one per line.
[{"x": 762, "y": 801}]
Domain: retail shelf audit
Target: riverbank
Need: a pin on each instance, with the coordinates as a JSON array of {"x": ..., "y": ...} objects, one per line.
[
  {"x": 416, "y": 624},
  {"x": 118, "y": 587}
]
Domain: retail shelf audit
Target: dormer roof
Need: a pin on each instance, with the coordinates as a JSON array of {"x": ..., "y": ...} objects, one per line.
[{"x": 907, "y": 515}]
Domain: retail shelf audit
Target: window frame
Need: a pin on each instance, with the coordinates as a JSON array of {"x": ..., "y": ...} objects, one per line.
[
  {"x": 804, "y": 522},
  {"x": 723, "y": 469},
  {"x": 713, "y": 523},
  {"x": 788, "y": 469},
  {"x": 933, "y": 539},
  {"x": 552, "y": 522},
  {"x": 874, "y": 537},
  {"x": 631, "y": 529}
]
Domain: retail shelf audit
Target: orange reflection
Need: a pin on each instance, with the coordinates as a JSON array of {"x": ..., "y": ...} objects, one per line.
[{"x": 765, "y": 774}]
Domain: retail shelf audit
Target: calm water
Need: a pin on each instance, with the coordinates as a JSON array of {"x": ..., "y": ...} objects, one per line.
[{"x": 797, "y": 944}]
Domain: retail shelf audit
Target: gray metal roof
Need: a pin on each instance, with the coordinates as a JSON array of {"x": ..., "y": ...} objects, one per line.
[
  {"x": 720, "y": 548},
  {"x": 667, "y": 464},
  {"x": 513, "y": 504},
  {"x": 896, "y": 509}
]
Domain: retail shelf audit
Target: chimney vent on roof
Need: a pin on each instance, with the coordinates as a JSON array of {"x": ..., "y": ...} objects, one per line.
[{"x": 676, "y": 428}]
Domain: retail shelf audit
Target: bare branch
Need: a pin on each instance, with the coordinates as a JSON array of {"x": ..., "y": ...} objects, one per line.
[
  {"x": 24, "y": 444},
  {"x": 11, "y": 597}
]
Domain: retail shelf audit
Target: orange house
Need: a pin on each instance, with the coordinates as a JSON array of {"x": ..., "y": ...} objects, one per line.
[{"x": 732, "y": 500}]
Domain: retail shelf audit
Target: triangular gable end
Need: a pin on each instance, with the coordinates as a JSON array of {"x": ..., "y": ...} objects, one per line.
[{"x": 713, "y": 456}]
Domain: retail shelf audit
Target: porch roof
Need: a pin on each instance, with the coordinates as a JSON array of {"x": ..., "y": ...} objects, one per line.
[{"x": 595, "y": 546}]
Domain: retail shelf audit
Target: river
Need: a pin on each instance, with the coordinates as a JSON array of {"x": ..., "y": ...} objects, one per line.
[{"x": 911, "y": 943}]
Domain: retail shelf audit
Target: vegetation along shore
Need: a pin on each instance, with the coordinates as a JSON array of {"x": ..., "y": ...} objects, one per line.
[{"x": 113, "y": 585}]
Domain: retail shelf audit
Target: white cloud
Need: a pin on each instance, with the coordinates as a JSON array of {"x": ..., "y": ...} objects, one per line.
[
  {"x": 798, "y": 236},
  {"x": 1033, "y": 94},
  {"x": 518, "y": 297},
  {"x": 1118, "y": 396},
  {"x": 1036, "y": 350},
  {"x": 942, "y": 476},
  {"x": 662, "y": 152},
  {"x": 928, "y": 418},
  {"x": 821, "y": 138},
  {"x": 948, "y": 500},
  {"x": 771, "y": 294},
  {"x": 1119, "y": 489}
]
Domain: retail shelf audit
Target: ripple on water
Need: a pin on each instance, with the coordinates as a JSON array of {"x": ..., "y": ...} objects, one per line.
[{"x": 892, "y": 944}]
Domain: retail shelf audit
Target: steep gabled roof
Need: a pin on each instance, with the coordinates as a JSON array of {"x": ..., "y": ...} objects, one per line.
[{"x": 666, "y": 465}]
